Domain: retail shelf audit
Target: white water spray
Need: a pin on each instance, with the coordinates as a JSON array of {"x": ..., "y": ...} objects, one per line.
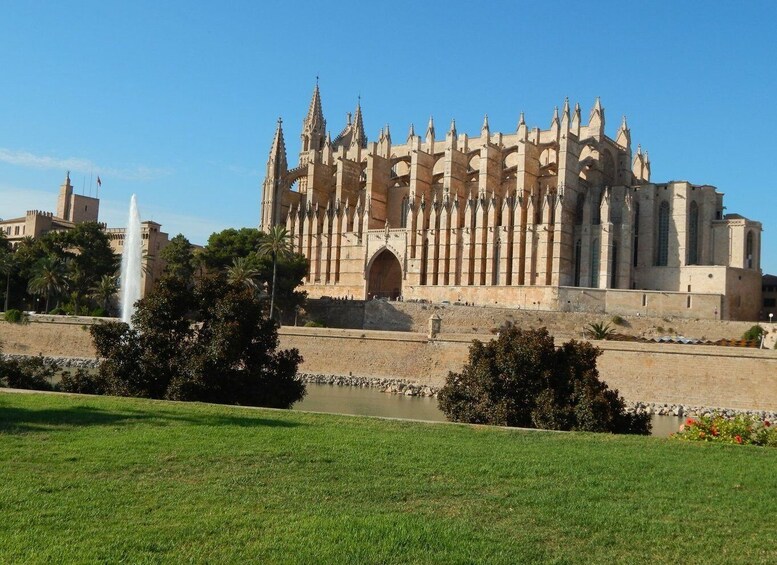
[{"x": 131, "y": 258}]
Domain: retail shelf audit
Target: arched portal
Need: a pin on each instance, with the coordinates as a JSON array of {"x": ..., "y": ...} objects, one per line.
[{"x": 385, "y": 276}]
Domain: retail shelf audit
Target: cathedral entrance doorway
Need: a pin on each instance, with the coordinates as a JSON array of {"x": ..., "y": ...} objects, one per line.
[{"x": 385, "y": 277}]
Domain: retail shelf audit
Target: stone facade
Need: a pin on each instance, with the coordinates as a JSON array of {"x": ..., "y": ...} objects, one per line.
[
  {"x": 517, "y": 219},
  {"x": 73, "y": 209}
]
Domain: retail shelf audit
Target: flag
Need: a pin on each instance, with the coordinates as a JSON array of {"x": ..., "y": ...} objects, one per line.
[{"x": 99, "y": 182}]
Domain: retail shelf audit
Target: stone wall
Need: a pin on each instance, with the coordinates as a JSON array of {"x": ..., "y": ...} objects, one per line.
[
  {"x": 657, "y": 373},
  {"x": 694, "y": 375},
  {"x": 414, "y": 317}
]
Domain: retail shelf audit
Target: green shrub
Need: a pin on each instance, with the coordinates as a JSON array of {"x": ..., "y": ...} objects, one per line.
[
  {"x": 521, "y": 379},
  {"x": 82, "y": 381},
  {"x": 15, "y": 316},
  {"x": 58, "y": 311},
  {"x": 754, "y": 333},
  {"x": 617, "y": 320},
  {"x": 313, "y": 324},
  {"x": 99, "y": 312},
  {"x": 742, "y": 430},
  {"x": 30, "y": 373},
  {"x": 599, "y": 330}
]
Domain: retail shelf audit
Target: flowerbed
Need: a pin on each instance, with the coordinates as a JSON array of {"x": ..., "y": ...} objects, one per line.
[{"x": 741, "y": 429}]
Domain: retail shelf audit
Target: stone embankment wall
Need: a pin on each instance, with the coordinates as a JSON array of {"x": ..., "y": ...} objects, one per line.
[
  {"x": 414, "y": 317},
  {"x": 696, "y": 375}
]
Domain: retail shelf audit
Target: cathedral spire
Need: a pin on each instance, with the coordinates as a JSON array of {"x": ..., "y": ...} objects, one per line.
[
  {"x": 522, "y": 131},
  {"x": 411, "y": 133},
  {"x": 554, "y": 121},
  {"x": 452, "y": 130},
  {"x": 430, "y": 129},
  {"x": 485, "y": 130},
  {"x": 277, "y": 152},
  {"x": 624, "y": 135},
  {"x": 313, "y": 127},
  {"x": 358, "y": 127}
]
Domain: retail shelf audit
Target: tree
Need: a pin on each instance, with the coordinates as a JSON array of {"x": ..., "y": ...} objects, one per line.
[
  {"x": 243, "y": 273},
  {"x": 8, "y": 265},
  {"x": 178, "y": 257},
  {"x": 49, "y": 278},
  {"x": 104, "y": 290},
  {"x": 224, "y": 246},
  {"x": 521, "y": 379},
  {"x": 276, "y": 245},
  {"x": 209, "y": 343}
]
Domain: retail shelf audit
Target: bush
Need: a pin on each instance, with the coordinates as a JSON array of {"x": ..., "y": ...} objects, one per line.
[
  {"x": 313, "y": 324},
  {"x": 30, "y": 373},
  {"x": 83, "y": 382},
  {"x": 15, "y": 316},
  {"x": 521, "y": 379},
  {"x": 617, "y": 320},
  {"x": 99, "y": 312},
  {"x": 599, "y": 330},
  {"x": 58, "y": 311},
  {"x": 212, "y": 343},
  {"x": 754, "y": 333},
  {"x": 742, "y": 430}
]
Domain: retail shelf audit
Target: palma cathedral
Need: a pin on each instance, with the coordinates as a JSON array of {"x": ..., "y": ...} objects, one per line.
[{"x": 565, "y": 218}]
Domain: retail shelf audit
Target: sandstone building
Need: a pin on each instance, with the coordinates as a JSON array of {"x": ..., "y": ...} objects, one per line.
[
  {"x": 564, "y": 218},
  {"x": 73, "y": 209}
]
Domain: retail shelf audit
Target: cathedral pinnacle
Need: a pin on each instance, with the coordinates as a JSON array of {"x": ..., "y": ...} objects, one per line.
[
  {"x": 411, "y": 133},
  {"x": 452, "y": 130},
  {"x": 555, "y": 120},
  {"x": 566, "y": 107},
  {"x": 521, "y": 120},
  {"x": 484, "y": 128},
  {"x": 430, "y": 128}
]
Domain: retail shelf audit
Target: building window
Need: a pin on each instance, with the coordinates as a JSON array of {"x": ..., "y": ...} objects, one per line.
[
  {"x": 662, "y": 254},
  {"x": 636, "y": 233},
  {"x": 404, "y": 209},
  {"x": 693, "y": 235},
  {"x": 579, "y": 208},
  {"x": 614, "y": 267},
  {"x": 596, "y": 213},
  {"x": 578, "y": 250},
  {"x": 595, "y": 264},
  {"x": 16, "y": 230},
  {"x": 749, "y": 250}
]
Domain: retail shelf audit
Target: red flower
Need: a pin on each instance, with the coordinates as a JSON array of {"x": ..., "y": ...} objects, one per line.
[
  {"x": 690, "y": 422},
  {"x": 714, "y": 431},
  {"x": 738, "y": 439},
  {"x": 767, "y": 423}
]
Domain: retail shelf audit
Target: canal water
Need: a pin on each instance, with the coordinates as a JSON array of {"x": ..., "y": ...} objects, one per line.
[{"x": 371, "y": 402}]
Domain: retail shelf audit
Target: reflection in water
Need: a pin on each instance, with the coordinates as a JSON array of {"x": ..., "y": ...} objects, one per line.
[{"x": 372, "y": 402}]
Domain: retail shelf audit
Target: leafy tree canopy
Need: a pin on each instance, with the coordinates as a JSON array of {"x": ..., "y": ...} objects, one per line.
[
  {"x": 211, "y": 343},
  {"x": 521, "y": 379},
  {"x": 178, "y": 256}
]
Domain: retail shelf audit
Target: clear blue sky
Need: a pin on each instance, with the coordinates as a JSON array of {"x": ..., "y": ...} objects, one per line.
[{"x": 177, "y": 101}]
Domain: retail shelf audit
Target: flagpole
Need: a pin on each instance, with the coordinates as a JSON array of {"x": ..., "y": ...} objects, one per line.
[{"x": 90, "y": 184}]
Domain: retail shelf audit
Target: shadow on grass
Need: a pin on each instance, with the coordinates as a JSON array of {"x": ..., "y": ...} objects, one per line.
[{"x": 16, "y": 420}]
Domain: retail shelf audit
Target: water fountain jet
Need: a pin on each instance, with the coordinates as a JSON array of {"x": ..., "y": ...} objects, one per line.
[{"x": 131, "y": 269}]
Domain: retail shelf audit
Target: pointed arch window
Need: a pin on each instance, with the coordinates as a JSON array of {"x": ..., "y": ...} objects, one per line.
[
  {"x": 662, "y": 252},
  {"x": 749, "y": 250},
  {"x": 636, "y": 234},
  {"x": 579, "y": 209},
  {"x": 405, "y": 208},
  {"x": 578, "y": 252},
  {"x": 595, "y": 264},
  {"x": 693, "y": 234},
  {"x": 596, "y": 213},
  {"x": 614, "y": 266}
]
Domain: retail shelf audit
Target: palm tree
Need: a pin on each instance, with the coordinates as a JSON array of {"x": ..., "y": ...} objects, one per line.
[
  {"x": 276, "y": 244},
  {"x": 242, "y": 273},
  {"x": 104, "y": 290},
  {"x": 50, "y": 277},
  {"x": 7, "y": 267}
]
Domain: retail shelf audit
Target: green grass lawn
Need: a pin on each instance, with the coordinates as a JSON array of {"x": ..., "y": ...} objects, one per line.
[{"x": 97, "y": 480}]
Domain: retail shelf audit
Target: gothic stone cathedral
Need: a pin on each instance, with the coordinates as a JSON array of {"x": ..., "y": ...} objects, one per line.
[{"x": 559, "y": 219}]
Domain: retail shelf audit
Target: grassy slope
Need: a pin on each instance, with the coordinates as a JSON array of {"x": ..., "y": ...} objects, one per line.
[{"x": 103, "y": 480}]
